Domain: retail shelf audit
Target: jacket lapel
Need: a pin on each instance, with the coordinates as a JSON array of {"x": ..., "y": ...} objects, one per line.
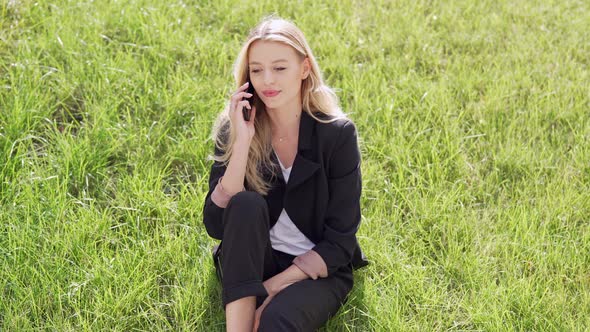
[{"x": 303, "y": 168}]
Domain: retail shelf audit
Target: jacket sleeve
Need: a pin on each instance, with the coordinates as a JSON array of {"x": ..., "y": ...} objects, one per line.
[
  {"x": 343, "y": 214},
  {"x": 212, "y": 213}
]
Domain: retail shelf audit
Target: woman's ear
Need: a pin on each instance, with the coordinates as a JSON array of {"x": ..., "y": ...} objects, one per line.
[{"x": 306, "y": 68}]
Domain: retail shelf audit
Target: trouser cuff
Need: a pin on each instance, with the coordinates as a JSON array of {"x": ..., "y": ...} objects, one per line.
[{"x": 245, "y": 289}]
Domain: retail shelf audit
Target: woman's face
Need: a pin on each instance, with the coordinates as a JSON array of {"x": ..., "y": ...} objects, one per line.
[{"x": 276, "y": 71}]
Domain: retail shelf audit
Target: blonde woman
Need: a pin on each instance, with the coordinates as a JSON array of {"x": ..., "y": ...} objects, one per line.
[{"x": 284, "y": 190}]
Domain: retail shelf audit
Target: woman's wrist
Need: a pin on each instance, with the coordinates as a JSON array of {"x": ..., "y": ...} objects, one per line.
[
  {"x": 242, "y": 143},
  {"x": 272, "y": 286},
  {"x": 284, "y": 279}
]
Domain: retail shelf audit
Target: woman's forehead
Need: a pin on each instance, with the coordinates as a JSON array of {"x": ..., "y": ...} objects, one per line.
[{"x": 269, "y": 52}]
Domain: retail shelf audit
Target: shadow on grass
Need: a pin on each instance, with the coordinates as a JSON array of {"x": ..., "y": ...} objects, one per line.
[{"x": 352, "y": 316}]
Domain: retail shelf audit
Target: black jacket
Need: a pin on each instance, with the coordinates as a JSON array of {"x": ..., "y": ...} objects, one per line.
[{"x": 322, "y": 197}]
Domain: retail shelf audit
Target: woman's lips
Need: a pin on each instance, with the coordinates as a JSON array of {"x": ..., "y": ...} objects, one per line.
[{"x": 270, "y": 93}]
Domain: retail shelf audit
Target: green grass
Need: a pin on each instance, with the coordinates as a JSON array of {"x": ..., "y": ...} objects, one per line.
[{"x": 474, "y": 120}]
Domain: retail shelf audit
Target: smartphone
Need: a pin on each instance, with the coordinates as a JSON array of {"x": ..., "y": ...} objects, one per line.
[{"x": 246, "y": 112}]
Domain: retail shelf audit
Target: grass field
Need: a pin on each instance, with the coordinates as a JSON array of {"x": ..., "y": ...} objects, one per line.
[{"x": 474, "y": 120}]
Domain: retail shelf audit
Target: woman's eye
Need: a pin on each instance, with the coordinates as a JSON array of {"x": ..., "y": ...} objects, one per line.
[
  {"x": 280, "y": 68},
  {"x": 255, "y": 70}
]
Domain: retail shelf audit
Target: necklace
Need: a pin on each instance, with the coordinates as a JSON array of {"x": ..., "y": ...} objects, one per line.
[
  {"x": 281, "y": 139},
  {"x": 284, "y": 138}
]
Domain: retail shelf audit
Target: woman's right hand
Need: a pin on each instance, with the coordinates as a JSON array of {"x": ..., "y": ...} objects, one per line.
[{"x": 244, "y": 129}]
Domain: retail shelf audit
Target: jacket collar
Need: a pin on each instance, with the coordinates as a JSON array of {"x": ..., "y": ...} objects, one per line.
[{"x": 306, "y": 127}]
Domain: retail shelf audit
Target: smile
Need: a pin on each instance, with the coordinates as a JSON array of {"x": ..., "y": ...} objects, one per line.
[{"x": 271, "y": 93}]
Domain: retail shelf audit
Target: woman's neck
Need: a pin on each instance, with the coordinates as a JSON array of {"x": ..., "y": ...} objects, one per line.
[{"x": 285, "y": 122}]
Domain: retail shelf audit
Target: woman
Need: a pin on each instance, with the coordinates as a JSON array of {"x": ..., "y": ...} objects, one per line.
[{"x": 284, "y": 190}]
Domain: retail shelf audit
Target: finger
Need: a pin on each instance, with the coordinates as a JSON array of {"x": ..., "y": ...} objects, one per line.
[
  {"x": 258, "y": 314},
  {"x": 241, "y": 104},
  {"x": 241, "y": 95},
  {"x": 243, "y": 87},
  {"x": 256, "y": 320}
]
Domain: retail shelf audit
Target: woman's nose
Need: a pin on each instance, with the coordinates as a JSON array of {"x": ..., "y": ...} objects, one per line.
[{"x": 268, "y": 78}]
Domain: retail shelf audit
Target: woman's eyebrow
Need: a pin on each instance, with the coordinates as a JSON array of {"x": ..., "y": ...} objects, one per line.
[{"x": 258, "y": 63}]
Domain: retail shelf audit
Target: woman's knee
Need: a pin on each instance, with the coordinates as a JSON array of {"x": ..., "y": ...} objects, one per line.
[
  {"x": 247, "y": 199},
  {"x": 246, "y": 208}
]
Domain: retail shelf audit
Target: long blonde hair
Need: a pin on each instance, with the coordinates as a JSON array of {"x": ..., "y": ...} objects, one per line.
[{"x": 317, "y": 98}]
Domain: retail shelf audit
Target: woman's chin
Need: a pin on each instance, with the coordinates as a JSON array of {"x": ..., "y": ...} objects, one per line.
[{"x": 270, "y": 106}]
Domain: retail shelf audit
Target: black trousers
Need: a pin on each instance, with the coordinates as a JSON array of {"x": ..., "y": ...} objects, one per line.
[{"x": 247, "y": 259}]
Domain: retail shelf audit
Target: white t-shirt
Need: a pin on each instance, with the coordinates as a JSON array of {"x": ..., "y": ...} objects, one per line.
[{"x": 284, "y": 235}]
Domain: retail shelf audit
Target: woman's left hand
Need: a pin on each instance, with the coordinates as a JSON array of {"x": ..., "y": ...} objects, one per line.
[
  {"x": 276, "y": 284},
  {"x": 272, "y": 289},
  {"x": 259, "y": 311}
]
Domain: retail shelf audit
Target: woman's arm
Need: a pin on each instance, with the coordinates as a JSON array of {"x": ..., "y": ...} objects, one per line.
[
  {"x": 227, "y": 180},
  {"x": 220, "y": 193},
  {"x": 284, "y": 279},
  {"x": 232, "y": 180},
  {"x": 343, "y": 214},
  {"x": 276, "y": 284}
]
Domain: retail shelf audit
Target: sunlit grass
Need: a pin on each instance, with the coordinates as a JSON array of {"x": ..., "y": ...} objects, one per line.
[{"x": 474, "y": 126}]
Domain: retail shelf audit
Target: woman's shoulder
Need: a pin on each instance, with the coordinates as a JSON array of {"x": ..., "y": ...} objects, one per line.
[
  {"x": 332, "y": 122},
  {"x": 335, "y": 126}
]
